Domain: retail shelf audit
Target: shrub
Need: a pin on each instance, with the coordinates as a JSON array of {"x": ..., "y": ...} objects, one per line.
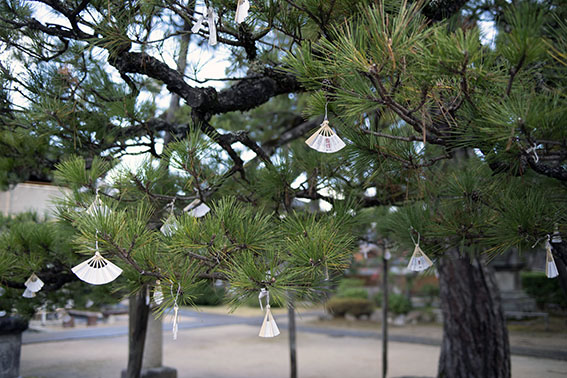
[
  {"x": 399, "y": 304},
  {"x": 347, "y": 283},
  {"x": 339, "y": 307},
  {"x": 377, "y": 299},
  {"x": 544, "y": 290},
  {"x": 353, "y": 292}
]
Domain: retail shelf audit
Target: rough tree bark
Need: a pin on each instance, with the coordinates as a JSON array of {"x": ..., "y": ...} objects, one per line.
[
  {"x": 475, "y": 337},
  {"x": 138, "y": 313},
  {"x": 560, "y": 256}
]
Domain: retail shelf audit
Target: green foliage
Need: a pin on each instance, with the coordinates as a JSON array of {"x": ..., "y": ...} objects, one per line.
[
  {"x": 347, "y": 283},
  {"x": 253, "y": 302},
  {"x": 29, "y": 245},
  {"x": 377, "y": 299},
  {"x": 339, "y": 307},
  {"x": 406, "y": 93},
  {"x": 353, "y": 292},
  {"x": 72, "y": 172},
  {"x": 544, "y": 290},
  {"x": 399, "y": 304},
  {"x": 208, "y": 295}
]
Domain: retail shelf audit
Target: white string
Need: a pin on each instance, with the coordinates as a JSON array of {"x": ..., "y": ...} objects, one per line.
[
  {"x": 175, "y": 310},
  {"x": 533, "y": 149},
  {"x": 264, "y": 293},
  {"x": 547, "y": 243},
  {"x": 326, "y": 103},
  {"x": 96, "y": 241},
  {"x": 538, "y": 240},
  {"x": 411, "y": 235}
]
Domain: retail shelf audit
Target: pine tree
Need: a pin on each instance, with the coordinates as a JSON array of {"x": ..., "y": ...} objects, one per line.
[
  {"x": 31, "y": 245},
  {"x": 411, "y": 95},
  {"x": 463, "y": 139}
]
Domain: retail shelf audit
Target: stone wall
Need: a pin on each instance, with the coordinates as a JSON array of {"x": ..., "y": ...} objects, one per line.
[{"x": 30, "y": 196}]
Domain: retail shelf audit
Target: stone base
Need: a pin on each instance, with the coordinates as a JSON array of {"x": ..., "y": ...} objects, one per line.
[
  {"x": 159, "y": 372},
  {"x": 11, "y": 329}
]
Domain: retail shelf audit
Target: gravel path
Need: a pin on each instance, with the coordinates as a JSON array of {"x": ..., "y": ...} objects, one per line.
[{"x": 236, "y": 351}]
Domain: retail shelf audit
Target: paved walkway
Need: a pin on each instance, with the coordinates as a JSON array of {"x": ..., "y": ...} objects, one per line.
[
  {"x": 236, "y": 351},
  {"x": 557, "y": 348}
]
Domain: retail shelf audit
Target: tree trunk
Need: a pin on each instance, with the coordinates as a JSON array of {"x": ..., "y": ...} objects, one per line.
[
  {"x": 138, "y": 313},
  {"x": 560, "y": 257},
  {"x": 292, "y": 340},
  {"x": 475, "y": 338}
]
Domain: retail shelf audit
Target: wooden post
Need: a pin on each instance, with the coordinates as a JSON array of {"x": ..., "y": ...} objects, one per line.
[
  {"x": 384, "y": 315},
  {"x": 292, "y": 339}
]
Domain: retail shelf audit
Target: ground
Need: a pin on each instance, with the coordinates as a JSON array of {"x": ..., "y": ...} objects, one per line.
[{"x": 213, "y": 345}]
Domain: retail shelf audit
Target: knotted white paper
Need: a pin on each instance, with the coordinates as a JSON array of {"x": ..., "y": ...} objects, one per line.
[
  {"x": 98, "y": 207},
  {"x": 241, "y": 11},
  {"x": 211, "y": 19},
  {"x": 550, "y": 267},
  {"x": 158, "y": 293},
  {"x": 325, "y": 139},
  {"x": 419, "y": 260},
  {"x": 97, "y": 270},
  {"x": 175, "y": 321},
  {"x": 34, "y": 284},
  {"x": 269, "y": 326},
  {"x": 197, "y": 209}
]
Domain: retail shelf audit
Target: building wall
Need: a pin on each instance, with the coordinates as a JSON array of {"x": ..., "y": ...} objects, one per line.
[{"x": 31, "y": 196}]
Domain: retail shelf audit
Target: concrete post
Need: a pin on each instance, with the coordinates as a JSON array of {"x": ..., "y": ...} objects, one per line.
[{"x": 153, "y": 350}]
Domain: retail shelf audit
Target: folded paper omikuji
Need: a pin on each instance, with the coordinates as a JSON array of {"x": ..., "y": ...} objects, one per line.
[
  {"x": 158, "y": 293},
  {"x": 98, "y": 207},
  {"x": 28, "y": 293},
  {"x": 211, "y": 19},
  {"x": 97, "y": 270},
  {"x": 550, "y": 267},
  {"x": 197, "y": 209},
  {"x": 198, "y": 23},
  {"x": 34, "y": 284},
  {"x": 175, "y": 321},
  {"x": 269, "y": 326},
  {"x": 175, "y": 327},
  {"x": 170, "y": 225},
  {"x": 241, "y": 11},
  {"x": 325, "y": 139},
  {"x": 419, "y": 260}
]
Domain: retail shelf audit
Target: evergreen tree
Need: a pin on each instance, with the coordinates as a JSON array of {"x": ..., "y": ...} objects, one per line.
[
  {"x": 464, "y": 139},
  {"x": 30, "y": 245}
]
